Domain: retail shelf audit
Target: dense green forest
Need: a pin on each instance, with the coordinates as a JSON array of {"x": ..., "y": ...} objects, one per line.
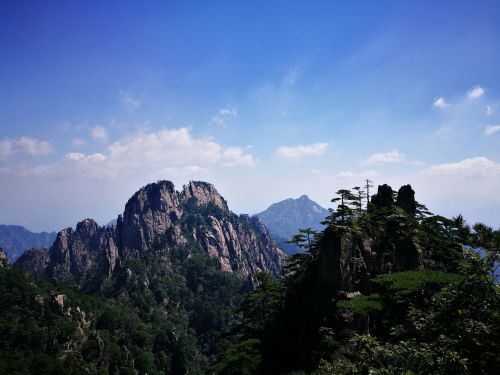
[
  {"x": 154, "y": 320},
  {"x": 412, "y": 298},
  {"x": 386, "y": 288}
]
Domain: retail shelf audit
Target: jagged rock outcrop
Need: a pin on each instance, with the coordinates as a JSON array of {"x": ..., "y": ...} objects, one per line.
[
  {"x": 406, "y": 199},
  {"x": 158, "y": 216},
  {"x": 347, "y": 259},
  {"x": 384, "y": 197},
  {"x": 35, "y": 261}
]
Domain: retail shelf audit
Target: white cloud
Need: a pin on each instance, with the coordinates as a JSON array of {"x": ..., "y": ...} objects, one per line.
[
  {"x": 472, "y": 167},
  {"x": 476, "y": 92},
  {"x": 151, "y": 154},
  {"x": 129, "y": 102},
  {"x": 357, "y": 175},
  {"x": 34, "y": 146},
  {"x": 220, "y": 117},
  {"x": 92, "y": 158},
  {"x": 5, "y": 148},
  {"x": 440, "y": 103},
  {"x": 233, "y": 156},
  {"x": 299, "y": 152},
  {"x": 24, "y": 145},
  {"x": 99, "y": 133},
  {"x": 393, "y": 156},
  {"x": 492, "y": 129},
  {"x": 489, "y": 110}
]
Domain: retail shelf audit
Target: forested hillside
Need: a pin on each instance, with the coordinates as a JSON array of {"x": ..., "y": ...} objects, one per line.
[{"x": 386, "y": 288}]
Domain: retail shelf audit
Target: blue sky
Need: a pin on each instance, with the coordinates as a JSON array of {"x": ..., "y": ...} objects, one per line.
[{"x": 267, "y": 100}]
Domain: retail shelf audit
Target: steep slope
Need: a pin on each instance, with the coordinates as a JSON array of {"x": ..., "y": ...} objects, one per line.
[
  {"x": 159, "y": 288},
  {"x": 285, "y": 218},
  {"x": 158, "y": 217},
  {"x": 15, "y": 239}
]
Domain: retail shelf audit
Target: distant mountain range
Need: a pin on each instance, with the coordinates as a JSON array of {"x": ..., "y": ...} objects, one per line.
[
  {"x": 285, "y": 218},
  {"x": 16, "y": 239}
]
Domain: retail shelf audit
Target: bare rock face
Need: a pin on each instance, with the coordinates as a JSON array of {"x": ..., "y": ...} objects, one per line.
[
  {"x": 35, "y": 261},
  {"x": 148, "y": 214},
  {"x": 158, "y": 216},
  {"x": 348, "y": 260},
  {"x": 242, "y": 245},
  {"x": 203, "y": 193}
]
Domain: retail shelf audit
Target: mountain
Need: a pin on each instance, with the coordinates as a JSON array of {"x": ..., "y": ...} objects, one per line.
[
  {"x": 155, "y": 293},
  {"x": 285, "y": 218},
  {"x": 158, "y": 217},
  {"x": 15, "y": 239}
]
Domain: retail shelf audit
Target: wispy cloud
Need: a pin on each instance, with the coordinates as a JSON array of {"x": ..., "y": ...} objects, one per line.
[
  {"x": 492, "y": 129},
  {"x": 357, "y": 175},
  {"x": 128, "y": 101},
  {"x": 99, "y": 133},
  {"x": 393, "y": 156},
  {"x": 475, "y": 92},
  {"x": 477, "y": 166},
  {"x": 24, "y": 145},
  {"x": 296, "y": 153},
  {"x": 148, "y": 154},
  {"x": 490, "y": 110},
  {"x": 223, "y": 114},
  {"x": 440, "y": 103}
]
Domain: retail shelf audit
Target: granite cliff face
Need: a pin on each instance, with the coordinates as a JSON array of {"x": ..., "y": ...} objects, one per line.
[
  {"x": 348, "y": 259},
  {"x": 158, "y": 217}
]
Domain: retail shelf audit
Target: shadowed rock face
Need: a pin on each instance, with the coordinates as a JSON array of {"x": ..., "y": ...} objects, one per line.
[
  {"x": 348, "y": 260},
  {"x": 158, "y": 215},
  {"x": 384, "y": 197},
  {"x": 406, "y": 199}
]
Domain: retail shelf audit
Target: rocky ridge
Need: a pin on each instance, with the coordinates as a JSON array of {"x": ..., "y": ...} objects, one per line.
[{"x": 157, "y": 216}]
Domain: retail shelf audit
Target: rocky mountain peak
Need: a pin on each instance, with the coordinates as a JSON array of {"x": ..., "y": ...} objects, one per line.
[
  {"x": 285, "y": 218},
  {"x": 156, "y": 217},
  {"x": 87, "y": 228},
  {"x": 204, "y": 193}
]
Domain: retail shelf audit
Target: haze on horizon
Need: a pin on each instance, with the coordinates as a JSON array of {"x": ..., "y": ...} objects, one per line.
[{"x": 264, "y": 101}]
